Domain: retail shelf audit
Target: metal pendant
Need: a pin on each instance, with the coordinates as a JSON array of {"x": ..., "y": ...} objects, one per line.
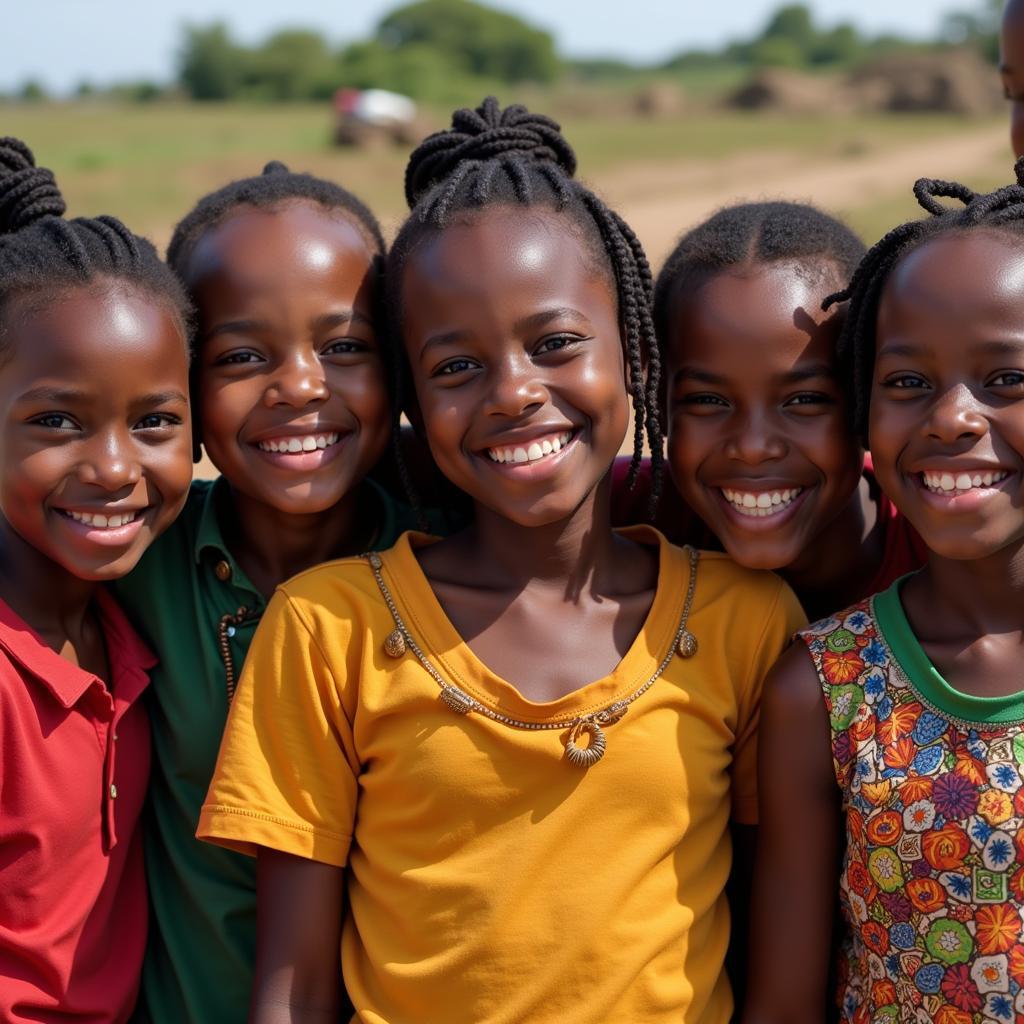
[
  {"x": 394, "y": 645},
  {"x": 584, "y": 757},
  {"x": 455, "y": 699},
  {"x": 687, "y": 645}
]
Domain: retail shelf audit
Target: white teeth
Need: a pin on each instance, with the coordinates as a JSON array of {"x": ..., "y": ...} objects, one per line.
[
  {"x": 946, "y": 483},
  {"x": 102, "y": 522},
  {"x": 531, "y": 453},
  {"x": 760, "y": 503},
  {"x": 308, "y": 443}
]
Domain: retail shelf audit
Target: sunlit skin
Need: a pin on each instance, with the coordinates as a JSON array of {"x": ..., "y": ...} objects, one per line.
[
  {"x": 1011, "y": 67},
  {"x": 95, "y": 422},
  {"x": 288, "y": 350},
  {"x": 756, "y": 409},
  {"x": 513, "y": 338},
  {"x": 947, "y": 398}
]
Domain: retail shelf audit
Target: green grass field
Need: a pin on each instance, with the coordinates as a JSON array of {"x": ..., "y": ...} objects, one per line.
[{"x": 148, "y": 164}]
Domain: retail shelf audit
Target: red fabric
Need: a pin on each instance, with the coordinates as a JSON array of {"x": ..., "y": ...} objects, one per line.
[
  {"x": 903, "y": 549},
  {"x": 72, "y": 888}
]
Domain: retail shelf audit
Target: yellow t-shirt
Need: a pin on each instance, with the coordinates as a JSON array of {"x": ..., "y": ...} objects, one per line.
[{"x": 491, "y": 881}]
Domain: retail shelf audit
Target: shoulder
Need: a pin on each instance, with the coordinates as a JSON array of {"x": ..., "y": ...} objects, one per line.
[{"x": 732, "y": 588}]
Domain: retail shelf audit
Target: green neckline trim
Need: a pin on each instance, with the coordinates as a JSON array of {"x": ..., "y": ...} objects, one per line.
[{"x": 910, "y": 656}]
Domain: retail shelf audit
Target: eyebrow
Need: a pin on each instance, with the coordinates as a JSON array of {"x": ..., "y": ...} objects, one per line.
[
  {"x": 811, "y": 372},
  {"x": 235, "y": 327},
  {"x": 61, "y": 396},
  {"x": 339, "y": 319},
  {"x": 532, "y": 322},
  {"x": 995, "y": 348}
]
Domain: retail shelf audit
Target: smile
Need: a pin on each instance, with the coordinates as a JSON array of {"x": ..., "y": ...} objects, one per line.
[
  {"x": 759, "y": 504},
  {"x": 534, "y": 451},
  {"x": 292, "y": 445},
  {"x": 962, "y": 483},
  {"x": 100, "y": 522}
]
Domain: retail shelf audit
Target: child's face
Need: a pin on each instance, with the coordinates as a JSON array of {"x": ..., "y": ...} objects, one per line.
[
  {"x": 513, "y": 340},
  {"x": 759, "y": 442},
  {"x": 947, "y": 397},
  {"x": 1011, "y": 67},
  {"x": 95, "y": 456},
  {"x": 292, "y": 391}
]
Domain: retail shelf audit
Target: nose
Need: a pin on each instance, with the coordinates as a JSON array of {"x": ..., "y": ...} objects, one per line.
[
  {"x": 515, "y": 387},
  {"x": 955, "y": 415},
  {"x": 754, "y": 440},
  {"x": 298, "y": 381},
  {"x": 111, "y": 462}
]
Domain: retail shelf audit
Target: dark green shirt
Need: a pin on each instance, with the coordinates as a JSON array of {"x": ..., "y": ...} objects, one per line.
[{"x": 198, "y": 967}]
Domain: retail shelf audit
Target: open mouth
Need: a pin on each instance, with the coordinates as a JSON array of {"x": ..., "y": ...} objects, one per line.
[
  {"x": 539, "y": 448},
  {"x": 294, "y": 445},
  {"x": 98, "y": 521},
  {"x": 759, "y": 504},
  {"x": 951, "y": 485}
]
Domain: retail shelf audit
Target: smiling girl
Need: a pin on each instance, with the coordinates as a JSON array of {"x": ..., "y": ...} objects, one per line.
[
  {"x": 500, "y": 768},
  {"x": 897, "y": 724},
  {"x": 94, "y": 464},
  {"x": 292, "y": 406}
]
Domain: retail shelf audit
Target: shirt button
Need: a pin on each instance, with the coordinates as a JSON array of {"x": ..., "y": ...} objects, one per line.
[
  {"x": 222, "y": 571},
  {"x": 113, "y": 791}
]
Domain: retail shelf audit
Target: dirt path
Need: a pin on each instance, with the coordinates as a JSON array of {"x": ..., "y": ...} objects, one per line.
[{"x": 661, "y": 202}]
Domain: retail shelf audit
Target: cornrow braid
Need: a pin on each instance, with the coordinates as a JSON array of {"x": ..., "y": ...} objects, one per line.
[
  {"x": 1000, "y": 211},
  {"x": 513, "y": 157},
  {"x": 42, "y": 253}
]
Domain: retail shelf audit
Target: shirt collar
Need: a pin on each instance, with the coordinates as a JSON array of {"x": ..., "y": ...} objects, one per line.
[
  {"x": 210, "y": 537},
  {"x": 127, "y": 655}
]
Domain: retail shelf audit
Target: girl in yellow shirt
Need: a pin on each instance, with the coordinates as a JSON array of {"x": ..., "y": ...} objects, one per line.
[{"x": 500, "y": 768}]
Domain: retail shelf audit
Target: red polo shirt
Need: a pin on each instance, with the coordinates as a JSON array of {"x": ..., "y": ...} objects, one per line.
[{"x": 74, "y": 761}]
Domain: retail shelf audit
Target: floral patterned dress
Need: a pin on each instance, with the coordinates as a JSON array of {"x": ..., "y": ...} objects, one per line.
[{"x": 932, "y": 882}]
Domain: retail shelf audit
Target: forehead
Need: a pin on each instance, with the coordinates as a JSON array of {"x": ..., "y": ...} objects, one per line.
[
  {"x": 958, "y": 285},
  {"x": 106, "y": 333},
  {"x": 745, "y": 317},
  {"x": 256, "y": 247},
  {"x": 1011, "y": 36},
  {"x": 505, "y": 248}
]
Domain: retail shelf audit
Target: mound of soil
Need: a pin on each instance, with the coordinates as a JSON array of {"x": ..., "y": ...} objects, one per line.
[{"x": 782, "y": 91}]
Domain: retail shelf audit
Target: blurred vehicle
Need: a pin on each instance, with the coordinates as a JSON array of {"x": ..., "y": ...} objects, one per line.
[{"x": 363, "y": 116}]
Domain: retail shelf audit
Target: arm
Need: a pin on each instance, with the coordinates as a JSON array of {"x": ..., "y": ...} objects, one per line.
[
  {"x": 298, "y": 937},
  {"x": 796, "y": 875}
]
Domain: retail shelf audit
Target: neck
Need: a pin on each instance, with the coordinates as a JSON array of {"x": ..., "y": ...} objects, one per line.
[
  {"x": 272, "y": 546},
  {"x": 973, "y": 598},
  {"x": 836, "y": 568},
  {"x": 52, "y": 601},
  {"x": 575, "y": 553}
]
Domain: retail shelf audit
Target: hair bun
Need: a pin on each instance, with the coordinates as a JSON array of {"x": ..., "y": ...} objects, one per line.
[
  {"x": 487, "y": 133},
  {"x": 27, "y": 193},
  {"x": 276, "y": 167}
]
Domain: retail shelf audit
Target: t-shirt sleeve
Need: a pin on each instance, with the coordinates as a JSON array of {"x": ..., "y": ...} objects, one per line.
[
  {"x": 785, "y": 617},
  {"x": 286, "y": 776}
]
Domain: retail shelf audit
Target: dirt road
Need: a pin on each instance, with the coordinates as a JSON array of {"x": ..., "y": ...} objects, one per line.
[{"x": 661, "y": 201}]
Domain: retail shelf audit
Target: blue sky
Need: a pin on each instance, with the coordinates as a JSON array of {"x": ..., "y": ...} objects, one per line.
[{"x": 62, "y": 42}]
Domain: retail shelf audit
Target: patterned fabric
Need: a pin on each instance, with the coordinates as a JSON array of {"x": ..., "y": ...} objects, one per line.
[{"x": 932, "y": 881}]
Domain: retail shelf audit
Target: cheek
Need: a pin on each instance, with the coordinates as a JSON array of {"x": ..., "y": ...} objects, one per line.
[
  {"x": 222, "y": 407},
  {"x": 1017, "y": 129},
  {"x": 363, "y": 391}
]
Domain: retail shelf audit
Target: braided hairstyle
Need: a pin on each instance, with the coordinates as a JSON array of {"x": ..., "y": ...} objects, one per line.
[
  {"x": 492, "y": 156},
  {"x": 275, "y": 186},
  {"x": 1001, "y": 212},
  {"x": 754, "y": 234},
  {"x": 41, "y": 253}
]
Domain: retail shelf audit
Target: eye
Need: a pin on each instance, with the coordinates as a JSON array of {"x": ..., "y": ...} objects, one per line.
[
  {"x": 238, "y": 358},
  {"x": 157, "y": 421},
  {"x": 808, "y": 399},
  {"x": 905, "y": 382},
  {"x": 345, "y": 346},
  {"x": 1008, "y": 379},
  {"x": 558, "y": 343},
  {"x": 454, "y": 367},
  {"x": 703, "y": 398},
  {"x": 55, "y": 421}
]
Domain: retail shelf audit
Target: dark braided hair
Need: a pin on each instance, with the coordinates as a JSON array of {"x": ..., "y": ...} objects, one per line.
[
  {"x": 1001, "y": 211},
  {"x": 754, "y": 234},
  {"x": 491, "y": 156},
  {"x": 42, "y": 253},
  {"x": 275, "y": 186}
]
